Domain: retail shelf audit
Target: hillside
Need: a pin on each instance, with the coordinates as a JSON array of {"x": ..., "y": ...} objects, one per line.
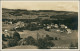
[
  {"x": 32, "y": 13},
  {"x": 45, "y": 16}
]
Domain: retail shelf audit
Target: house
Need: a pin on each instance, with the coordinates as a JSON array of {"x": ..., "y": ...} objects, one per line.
[
  {"x": 48, "y": 27},
  {"x": 66, "y": 27},
  {"x": 5, "y": 32},
  {"x": 44, "y": 24},
  {"x": 9, "y": 33},
  {"x": 52, "y": 25},
  {"x": 10, "y": 22},
  {"x": 62, "y": 26},
  {"x": 68, "y": 31},
  {"x": 20, "y": 24},
  {"x": 56, "y": 26}
]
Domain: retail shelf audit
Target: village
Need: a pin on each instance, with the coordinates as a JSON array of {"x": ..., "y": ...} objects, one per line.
[
  {"x": 36, "y": 30},
  {"x": 42, "y": 30},
  {"x": 36, "y": 26}
]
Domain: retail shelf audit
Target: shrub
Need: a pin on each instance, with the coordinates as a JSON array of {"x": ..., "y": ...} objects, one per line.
[
  {"x": 47, "y": 36},
  {"x": 30, "y": 40},
  {"x": 22, "y": 42},
  {"x": 40, "y": 43},
  {"x": 3, "y": 37},
  {"x": 3, "y": 45},
  {"x": 73, "y": 46},
  {"x": 56, "y": 38},
  {"x": 76, "y": 45},
  {"x": 16, "y": 36},
  {"x": 12, "y": 42},
  {"x": 27, "y": 41},
  {"x": 44, "y": 43}
]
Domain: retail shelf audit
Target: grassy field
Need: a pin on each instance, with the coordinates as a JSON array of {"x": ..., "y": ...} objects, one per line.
[
  {"x": 23, "y": 47},
  {"x": 65, "y": 39}
]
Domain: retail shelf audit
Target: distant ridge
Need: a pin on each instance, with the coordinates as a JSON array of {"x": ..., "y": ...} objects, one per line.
[
  {"x": 38, "y": 10},
  {"x": 9, "y": 13}
]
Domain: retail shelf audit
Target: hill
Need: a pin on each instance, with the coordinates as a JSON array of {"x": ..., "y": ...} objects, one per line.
[
  {"x": 46, "y": 16},
  {"x": 26, "y": 13}
]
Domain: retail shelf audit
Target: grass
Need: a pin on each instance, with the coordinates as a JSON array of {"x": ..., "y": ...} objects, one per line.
[
  {"x": 24, "y": 47},
  {"x": 65, "y": 39}
]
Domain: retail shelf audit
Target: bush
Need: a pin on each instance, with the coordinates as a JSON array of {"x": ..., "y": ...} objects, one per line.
[
  {"x": 56, "y": 38},
  {"x": 16, "y": 36},
  {"x": 3, "y": 37},
  {"x": 12, "y": 42},
  {"x": 27, "y": 41},
  {"x": 44, "y": 43},
  {"x": 3, "y": 45},
  {"x": 22, "y": 42},
  {"x": 40, "y": 43},
  {"x": 49, "y": 38},
  {"x": 73, "y": 46},
  {"x": 76, "y": 45},
  {"x": 31, "y": 40}
]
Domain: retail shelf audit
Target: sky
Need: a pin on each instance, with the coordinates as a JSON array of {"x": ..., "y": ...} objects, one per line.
[{"x": 43, "y": 5}]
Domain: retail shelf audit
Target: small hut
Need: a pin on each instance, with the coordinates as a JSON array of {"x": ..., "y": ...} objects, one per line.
[
  {"x": 68, "y": 31},
  {"x": 56, "y": 26},
  {"x": 62, "y": 26}
]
